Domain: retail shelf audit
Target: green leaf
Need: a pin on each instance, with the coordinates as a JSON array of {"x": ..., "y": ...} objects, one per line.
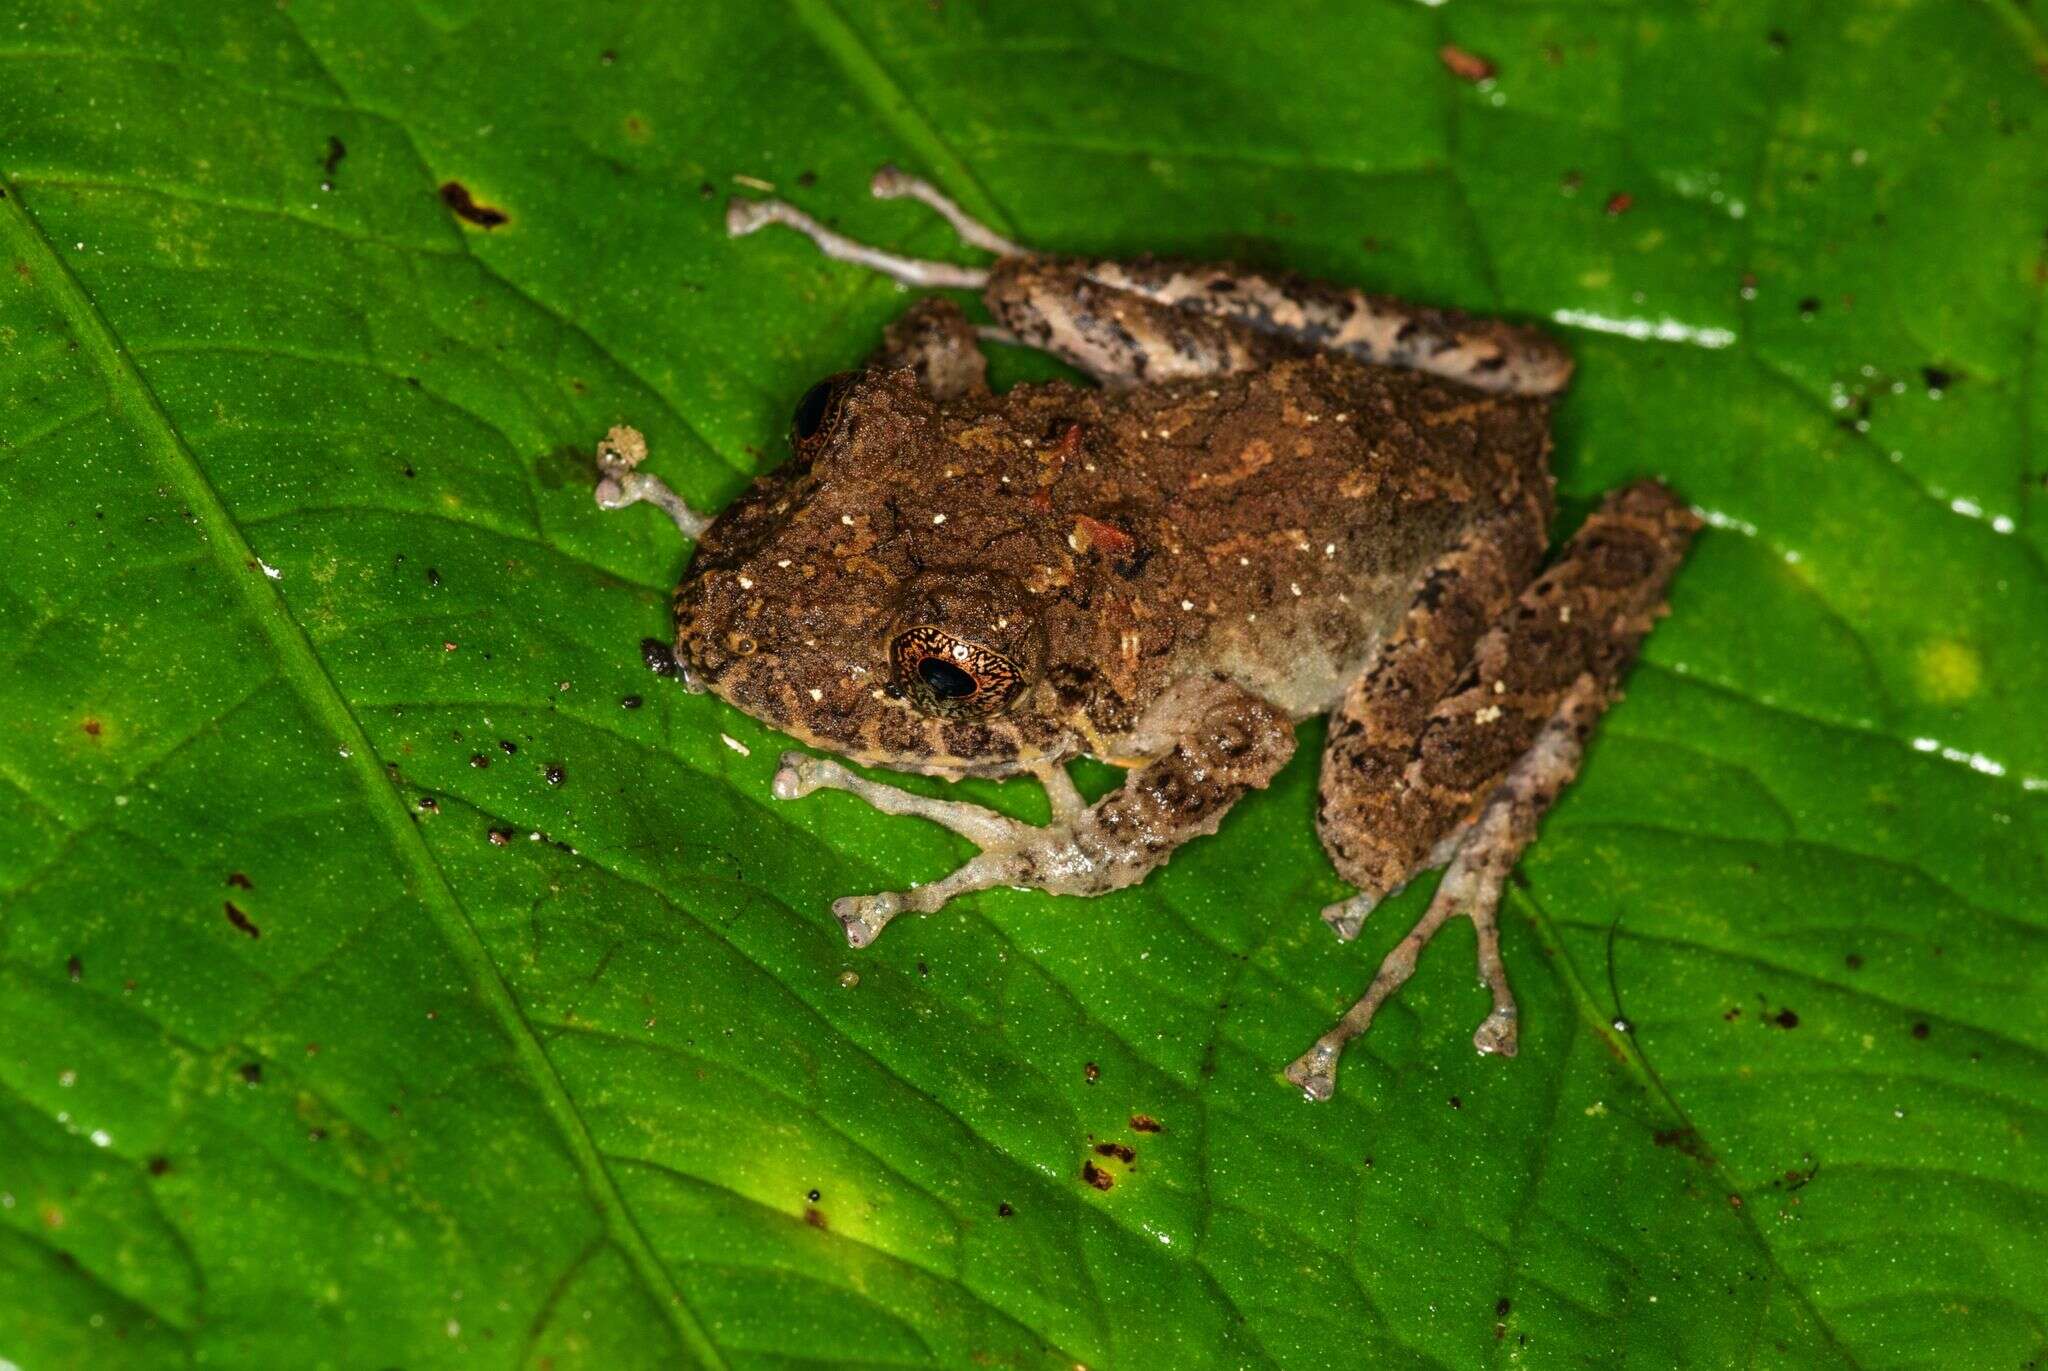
[{"x": 307, "y": 596}]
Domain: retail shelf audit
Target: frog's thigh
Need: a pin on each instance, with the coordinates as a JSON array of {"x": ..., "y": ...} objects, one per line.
[
  {"x": 1415, "y": 749},
  {"x": 1508, "y": 736},
  {"x": 1117, "y": 336},
  {"x": 936, "y": 341},
  {"x": 1489, "y": 354},
  {"x": 1379, "y": 830}
]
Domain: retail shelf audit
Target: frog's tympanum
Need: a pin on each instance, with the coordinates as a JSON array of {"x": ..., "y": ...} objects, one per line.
[{"x": 1281, "y": 499}]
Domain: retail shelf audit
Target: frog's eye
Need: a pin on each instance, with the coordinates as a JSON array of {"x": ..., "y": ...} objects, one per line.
[
  {"x": 819, "y": 407},
  {"x": 946, "y": 675}
]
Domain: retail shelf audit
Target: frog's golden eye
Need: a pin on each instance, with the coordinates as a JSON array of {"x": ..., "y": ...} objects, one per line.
[
  {"x": 818, "y": 409},
  {"x": 950, "y": 676}
]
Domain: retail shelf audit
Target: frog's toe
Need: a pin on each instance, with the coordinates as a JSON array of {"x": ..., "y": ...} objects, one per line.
[
  {"x": 793, "y": 778},
  {"x": 1315, "y": 1071},
  {"x": 865, "y": 916},
  {"x": 1498, "y": 1032},
  {"x": 1347, "y": 917}
]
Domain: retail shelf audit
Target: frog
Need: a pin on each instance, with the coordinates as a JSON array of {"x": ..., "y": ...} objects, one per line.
[{"x": 1270, "y": 499}]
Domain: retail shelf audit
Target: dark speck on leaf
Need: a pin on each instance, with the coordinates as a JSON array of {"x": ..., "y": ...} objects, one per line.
[
  {"x": 556, "y": 775},
  {"x": 336, "y": 150},
  {"x": 815, "y": 1196},
  {"x": 1003, "y": 1210},
  {"x": 1785, "y": 1018},
  {"x": 1123, "y": 1152},
  {"x": 429, "y": 805},
  {"x": 409, "y": 472},
  {"x": 1778, "y": 39},
  {"x": 251, "y": 1072},
  {"x": 1501, "y": 1307},
  {"x": 1920, "y": 1030},
  {"x": 479, "y": 761},
  {"x": 433, "y": 577},
  {"x": 630, "y": 702},
  {"x": 239, "y": 919},
  {"x": 1619, "y": 202},
  {"x": 507, "y": 746},
  {"x": 815, "y": 1217},
  {"x": 159, "y": 1165},
  {"x": 1145, "y": 1123},
  {"x": 1854, "y": 961},
  {"x": 74, "y": 968},
  {"x": 1096, "y": 1176},
  {"x": 607, "y": 57},
  {"x": 1686, "y": 1140},
  {"x": 1457, "y": 1103},
  {"x": 1937, "y": 379},
  {"x": 1091, "y": 1073},
  {"x": 500, "y": 837},
  {"x": 1809, "y": 307},
  {"x": 456, "y": 196},
  {"x": 807, "y": 178},
  {"x": 239, "y": 881}
]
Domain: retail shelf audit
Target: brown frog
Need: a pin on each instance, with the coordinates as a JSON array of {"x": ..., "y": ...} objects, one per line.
[{"x": 1282, "y": 498}]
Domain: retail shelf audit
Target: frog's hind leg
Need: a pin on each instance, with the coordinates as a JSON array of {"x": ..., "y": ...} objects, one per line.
[
  {"x": 1487, "y": 354},
  {"x": 1477, "y": 775}
]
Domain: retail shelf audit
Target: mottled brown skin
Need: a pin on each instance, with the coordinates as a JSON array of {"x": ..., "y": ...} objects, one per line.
[
  {"x": 1282, "y": 498},
  {"x": 1291, "y": 509}
]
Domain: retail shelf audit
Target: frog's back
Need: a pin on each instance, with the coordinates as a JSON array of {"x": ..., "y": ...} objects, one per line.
[{"x": 1285, "y": 515}]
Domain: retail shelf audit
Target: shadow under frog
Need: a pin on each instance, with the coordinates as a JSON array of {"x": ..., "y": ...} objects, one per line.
[{"x": 1281, "y": 498}]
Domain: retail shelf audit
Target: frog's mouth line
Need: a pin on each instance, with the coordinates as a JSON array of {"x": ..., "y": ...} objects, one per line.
[{"x": 935, "y": 757}]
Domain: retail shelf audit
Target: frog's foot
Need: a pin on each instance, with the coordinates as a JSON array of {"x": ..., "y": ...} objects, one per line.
[
  {"x": 892, "y": 183},
  {"x": 745, "y": 216},
  {"x": 1012, "y": 853},
  {"x": 1472, "y": 887},
  {"x": 620, "y": 485},
  {"x": 1347, "y": 917}
]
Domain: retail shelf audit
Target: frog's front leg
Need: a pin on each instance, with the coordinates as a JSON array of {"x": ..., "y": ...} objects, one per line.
[
  {"x": 1473, "y": 780},
  {"x": 937, "y": 343},
  {"x": 1230, "y": 742}
]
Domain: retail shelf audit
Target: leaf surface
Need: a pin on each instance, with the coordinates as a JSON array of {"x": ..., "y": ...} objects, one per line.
[{"x": 396, "y": 974}]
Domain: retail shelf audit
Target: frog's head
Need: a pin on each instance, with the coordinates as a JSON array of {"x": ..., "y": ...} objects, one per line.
[{"x": 872, "y": 595}]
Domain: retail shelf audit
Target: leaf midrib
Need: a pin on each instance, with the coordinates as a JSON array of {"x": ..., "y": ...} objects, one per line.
[{"x": 130, "y": 394}]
